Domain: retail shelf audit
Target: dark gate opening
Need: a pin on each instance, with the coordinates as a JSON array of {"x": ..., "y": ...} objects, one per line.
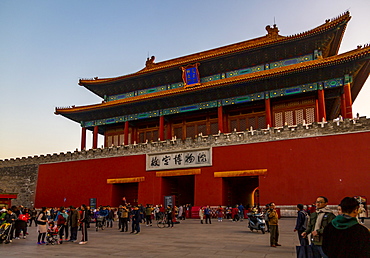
[
  {"x": 182, "y": 187},
  {"x": 240, "y": 190},
  {"x": 129, "y": 191}
]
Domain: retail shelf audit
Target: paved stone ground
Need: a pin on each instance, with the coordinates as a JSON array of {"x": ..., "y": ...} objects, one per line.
[{"x": 187, "y": 239}]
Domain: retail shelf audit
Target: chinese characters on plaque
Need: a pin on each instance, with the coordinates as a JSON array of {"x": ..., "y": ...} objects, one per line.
[
  {"x": 181, "y": 159},
  {"x": 190, "y": 74}
]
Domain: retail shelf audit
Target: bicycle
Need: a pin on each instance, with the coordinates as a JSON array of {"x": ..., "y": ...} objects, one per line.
[{"x": 162, "y": 222}]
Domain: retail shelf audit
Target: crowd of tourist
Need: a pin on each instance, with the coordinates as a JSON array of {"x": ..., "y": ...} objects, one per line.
[{"x": 329, "y": 234}]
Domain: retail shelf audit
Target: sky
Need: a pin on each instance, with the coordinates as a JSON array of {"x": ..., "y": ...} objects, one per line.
[{"x": 46, "y": 46}]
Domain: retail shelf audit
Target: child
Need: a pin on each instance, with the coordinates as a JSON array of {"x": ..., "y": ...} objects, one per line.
[{"x": 52, "y": 227}]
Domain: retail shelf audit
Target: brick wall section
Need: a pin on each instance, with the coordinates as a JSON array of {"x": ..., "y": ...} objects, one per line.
[
  {"x": 21, "y": 180},
  {"x": 20, "y": 175}
]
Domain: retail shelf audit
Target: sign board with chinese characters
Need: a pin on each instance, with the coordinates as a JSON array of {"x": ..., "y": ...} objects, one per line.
[
  {"x": 179, "y": 159},
  {"x": 190, "y": 75}
]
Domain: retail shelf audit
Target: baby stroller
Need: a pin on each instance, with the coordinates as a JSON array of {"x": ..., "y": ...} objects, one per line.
[
  {"x": 100, "y": 222},
  {"x": 52, "y": 237},
  {"x": 5, "y": 229}
]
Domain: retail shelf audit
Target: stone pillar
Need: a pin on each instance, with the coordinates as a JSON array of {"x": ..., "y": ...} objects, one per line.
[
  {"x": 125, "y": 137},
  {"x": 95, "y": 137},
  {"x": 161, "y": 128},
  {"x": 83, "y": 138},
  {"x": 322, "y": 110},
  {"x": 220, "y": 119},
  {"x": 348, "y": 100},
  {"x": 268, "y": 112}
]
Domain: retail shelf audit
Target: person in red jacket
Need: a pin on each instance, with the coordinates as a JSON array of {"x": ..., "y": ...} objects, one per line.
[
  {"x": 62, "y": 223},
  {"x": 234, "y": 213}
]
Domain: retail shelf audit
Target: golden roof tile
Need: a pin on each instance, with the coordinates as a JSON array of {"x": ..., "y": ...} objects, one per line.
[
  {"x": 300, "y": 67},
  {"x": 229, "y": 49}
]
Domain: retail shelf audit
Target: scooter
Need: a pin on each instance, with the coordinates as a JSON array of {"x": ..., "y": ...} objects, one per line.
[{"x": 256, "y": 222}]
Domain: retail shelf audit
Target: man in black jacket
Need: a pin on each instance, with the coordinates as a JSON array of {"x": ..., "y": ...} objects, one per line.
[
  {"x": 344, "y": 236},
  {"x": 301, "y": 224}
]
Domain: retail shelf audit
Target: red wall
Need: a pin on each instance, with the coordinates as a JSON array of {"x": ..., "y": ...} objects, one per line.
[{"x": 297, "y": 172}]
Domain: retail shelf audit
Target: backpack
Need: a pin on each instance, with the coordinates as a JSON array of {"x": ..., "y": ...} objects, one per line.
[
  {"x": 307, "y": 219},
  {"x": 22, "y": 217}
]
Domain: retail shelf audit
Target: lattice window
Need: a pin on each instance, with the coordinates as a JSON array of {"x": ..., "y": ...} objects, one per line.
[
  {"x": 252, "y": 122},
  {"x": 110, "y": 141},
  {"x": 115, "y": 140},
  {"x": 202, "y": 129},
  {"x": 242, "y": 124},
  {"x": 279, "y": 119},
  {"x": 155, "y": 135},
  {"x": 190, "y": 131},
  {"x": 299, "y": 116},
  {"x": 261, "y": 122},
  {"x": 289, "y": 117},
  {"x": 310, "y": 115},
  {"x": 234, "y": 125},
  {"x": 142, "y": 137},
  {"x": 121, "y": 139},
  {"x": 214, "y": 128},
  {"x": 178, "y": 132}
]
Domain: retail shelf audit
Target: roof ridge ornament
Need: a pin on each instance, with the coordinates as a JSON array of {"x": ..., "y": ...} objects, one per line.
[
  {"x": 149, "y": 62},
  {"x": 272, "y": 32}
]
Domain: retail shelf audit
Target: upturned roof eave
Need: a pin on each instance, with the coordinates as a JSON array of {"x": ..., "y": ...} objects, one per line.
[
  {"x": 267, "y": 74},
  {"x": 230, "y": 49}
]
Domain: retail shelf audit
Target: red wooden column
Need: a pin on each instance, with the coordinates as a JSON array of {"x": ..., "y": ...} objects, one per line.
[
  {"x": 322, "y": 110},
  {"x": 133, "y": 135},
  {"x": 317, "y": 114},
  {"x": 95, "y": 137},
  {"x": 220, "y": 119},
  {"x": 169, "y": 130},
  {"x": 161, "y": 128},
  {"x": 343, "y": 105},
  {"x": 83, "y": 138},
  {"x": 268, "y": 112},
  {"x": 348, "y": 100},
  {"x": 125, "y": 137}
]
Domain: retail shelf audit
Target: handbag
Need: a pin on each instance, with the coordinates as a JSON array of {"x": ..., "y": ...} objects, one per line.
[{"x": 304, "y": 251}]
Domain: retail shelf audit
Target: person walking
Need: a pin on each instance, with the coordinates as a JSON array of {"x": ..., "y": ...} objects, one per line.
[
  {"x": 274, "y": 226},
  {"x": 220, "y": 213},
  {"x": 301, "y": 224},
  {"x": 110, "y": 217},
  {"x": 148, "y": 214},
  {"x": 170, "y": 216},
  {"x": 124, "y": 219},
  {"x": 344, "y": 236},
  {"x": 83, "y": 221},
  {"x": 62, "y": 224},
  {"x": 33, "y": 214},
  {"x": 136, "y": 220},
  {"x": 207, "y": 213},
  {"x": 73, "y": 219},
  {"x": 41, "y": 225},
  {"x": 361, "y": 213},
  {"x": 318, "y": 221},
  {"x": 201, "y": 214}
]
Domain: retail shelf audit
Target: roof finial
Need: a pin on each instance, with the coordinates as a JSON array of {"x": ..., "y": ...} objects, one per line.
[
  {"x": 149, "y": 62},
  {"x": 272, "y": 31}
]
